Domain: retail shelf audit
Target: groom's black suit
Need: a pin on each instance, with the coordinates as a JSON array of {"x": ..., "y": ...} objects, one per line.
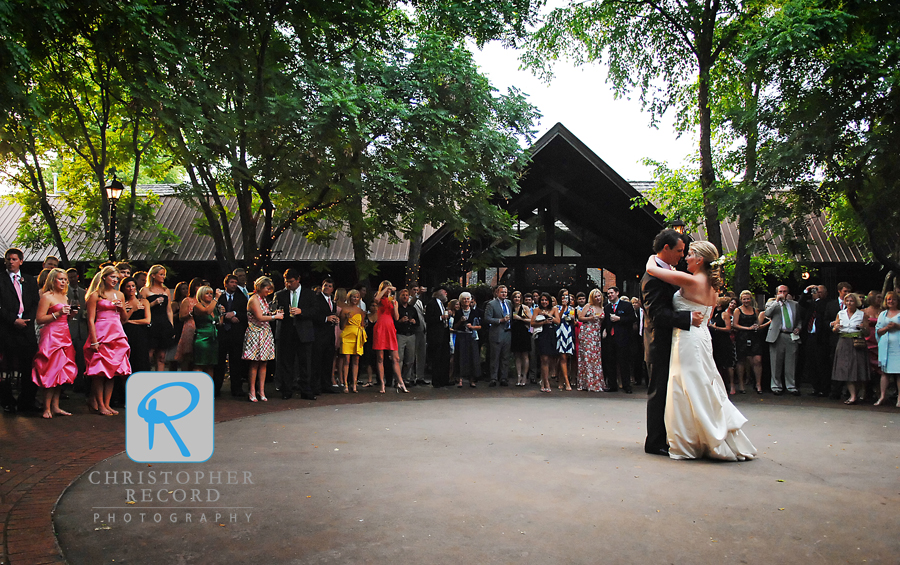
[{"x": 659, "y": 319}]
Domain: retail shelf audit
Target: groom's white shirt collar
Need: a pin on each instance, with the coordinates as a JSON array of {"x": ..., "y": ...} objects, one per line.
[{"x": 663, "y": 264}]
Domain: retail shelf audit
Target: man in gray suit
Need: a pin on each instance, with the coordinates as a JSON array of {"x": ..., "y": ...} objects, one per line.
[
  {"x": 498, "y": 314},
  {"x": 784, "y": 340}
]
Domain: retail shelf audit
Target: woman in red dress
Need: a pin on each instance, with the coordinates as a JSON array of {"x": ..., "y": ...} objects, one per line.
[
  {"x": 385, "y": 338},
  {"x": 54, "y": 364}
]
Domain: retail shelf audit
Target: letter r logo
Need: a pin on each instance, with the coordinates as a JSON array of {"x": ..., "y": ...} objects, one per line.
[{"x": 169, "y": 417}]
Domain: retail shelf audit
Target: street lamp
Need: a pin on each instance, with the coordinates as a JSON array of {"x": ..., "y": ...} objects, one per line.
[
  {"x": 113, "y": 193},
  {"x": 678, "y": 226}
]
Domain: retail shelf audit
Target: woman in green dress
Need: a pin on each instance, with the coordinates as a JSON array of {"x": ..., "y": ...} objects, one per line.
[{"x": 206, "y": 318}]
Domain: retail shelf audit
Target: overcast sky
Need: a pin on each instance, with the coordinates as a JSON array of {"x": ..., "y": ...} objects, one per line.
[{"x": 618, "y": 131}]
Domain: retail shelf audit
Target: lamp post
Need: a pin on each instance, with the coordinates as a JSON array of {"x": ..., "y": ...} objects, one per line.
[
  {"x": 113, "y": 193},
  {"x": 678, "y": 226}
]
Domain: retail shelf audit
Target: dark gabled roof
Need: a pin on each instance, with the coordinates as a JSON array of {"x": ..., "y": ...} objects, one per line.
[{"x": 177, "y": 216}]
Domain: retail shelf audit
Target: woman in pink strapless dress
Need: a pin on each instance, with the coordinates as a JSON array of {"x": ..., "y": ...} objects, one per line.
[
  {"x": 106, "y": 350},
  {"x": 54, "y": 363}
]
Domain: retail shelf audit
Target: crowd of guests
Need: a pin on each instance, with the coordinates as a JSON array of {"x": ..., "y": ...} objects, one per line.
[
  {"x": 318, "y": 339},
  {"x": 847, "y": 347}
]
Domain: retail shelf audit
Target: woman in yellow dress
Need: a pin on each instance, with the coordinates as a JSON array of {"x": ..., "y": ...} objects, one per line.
[{"x": 353, "y": 336}]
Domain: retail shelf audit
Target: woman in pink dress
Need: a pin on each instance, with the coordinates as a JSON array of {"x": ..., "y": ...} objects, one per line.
[
  {"x": 54, "y": 363},
  {"x": 106, "y": 350},
  {"x": 385, "y": 338}
]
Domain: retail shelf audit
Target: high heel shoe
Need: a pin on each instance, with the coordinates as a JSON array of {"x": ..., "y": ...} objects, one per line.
[
  {"x": 252, "y": 397},
  {"x": 263, "y": 398},
  {"x": 347, "y": 390}
]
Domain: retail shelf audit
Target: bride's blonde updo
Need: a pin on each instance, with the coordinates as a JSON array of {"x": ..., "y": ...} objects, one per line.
[{"x": 711, "y": 262}]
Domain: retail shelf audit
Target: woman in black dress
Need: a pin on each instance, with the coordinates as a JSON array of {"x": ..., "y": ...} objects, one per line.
[
  {"x": 465, "y": 327},
  {"x": 749, "y": 323},
  {"x": 722, "y": 344},
  {"x": 544, "y": 320},
  {"x": 521, "y": 337},
  {"x": 137, "y": 327},
  {"x": 162, "y": 330}
]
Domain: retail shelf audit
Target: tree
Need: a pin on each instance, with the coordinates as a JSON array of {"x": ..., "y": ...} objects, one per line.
[
  {"x": 308, "y": 120},
  {"x": 667, "y": 49},
  {"x": 421, "y": 137},
  {"x": 837, "y": 110},
  {"x": 69, "y": 101},
  {"x": 231, "y": 84}
]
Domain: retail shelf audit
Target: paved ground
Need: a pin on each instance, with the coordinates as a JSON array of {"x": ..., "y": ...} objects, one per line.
[{"x": 487, "y": 475}]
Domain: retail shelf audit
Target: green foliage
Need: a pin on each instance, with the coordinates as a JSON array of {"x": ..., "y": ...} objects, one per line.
[
  {"x": 764, "y": 269},
  {"x": 836, "y": 106},
  {"x": 677, "y": 195}
]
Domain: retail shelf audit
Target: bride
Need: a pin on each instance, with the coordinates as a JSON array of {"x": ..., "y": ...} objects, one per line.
[{"x": 700, "y": 420}]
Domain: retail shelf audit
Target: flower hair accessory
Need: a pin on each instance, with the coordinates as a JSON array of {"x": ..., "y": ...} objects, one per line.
[{"x": 718, "y": 262}]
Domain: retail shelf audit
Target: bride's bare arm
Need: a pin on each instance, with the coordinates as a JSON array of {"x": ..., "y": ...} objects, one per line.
[{"x": 686, "y": 281}]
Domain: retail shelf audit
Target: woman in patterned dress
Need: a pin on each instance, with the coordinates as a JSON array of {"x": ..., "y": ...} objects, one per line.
[
  {"x": 590, "y": 367},
  {"x": 259, "y": 343},
  {"x": 565, "y": 337},
  {"x": 206, "y": 316}
]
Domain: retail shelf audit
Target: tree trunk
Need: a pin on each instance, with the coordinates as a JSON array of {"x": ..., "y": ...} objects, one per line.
[
  {"x": 357, "y": 227},
  {"x": 707, "y": 173},
  {"x": 224, "y": 252},
  {"x": 39, "y": 187},
  {"x": 747, "y": 219},
  {"x": 414, "y": 258}
]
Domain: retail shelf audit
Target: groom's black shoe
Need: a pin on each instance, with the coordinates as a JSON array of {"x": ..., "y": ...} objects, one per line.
[
  {"x": 629, "y": 391},
  {"x": 664, "y": 451}
]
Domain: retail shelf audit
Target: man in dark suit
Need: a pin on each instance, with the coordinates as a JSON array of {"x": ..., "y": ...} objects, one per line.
[
  {"x": 324, "y": 320},
  {"x": 78, "y": 324},
  {"x": 18, "y": 306},
  {"x": 231, "y": 338},
  {"x": 498, "y": 314},
  {"x": 618, "y": 319},
  {"x": 816, "y": 336},
  {"x": 295, "y": 336},
  {"x": 659, "y": 319},
  {"x": 438, "y": 347}
]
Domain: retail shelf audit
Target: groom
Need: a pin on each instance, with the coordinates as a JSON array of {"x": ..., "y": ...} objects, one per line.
[{"x": 659, "y": 319}]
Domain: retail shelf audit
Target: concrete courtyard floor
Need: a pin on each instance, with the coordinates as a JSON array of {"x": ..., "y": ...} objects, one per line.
[{"x": 504, "y": 476}]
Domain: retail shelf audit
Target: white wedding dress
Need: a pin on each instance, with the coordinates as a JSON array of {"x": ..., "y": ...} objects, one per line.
[{"x": 700, "y": 420}]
